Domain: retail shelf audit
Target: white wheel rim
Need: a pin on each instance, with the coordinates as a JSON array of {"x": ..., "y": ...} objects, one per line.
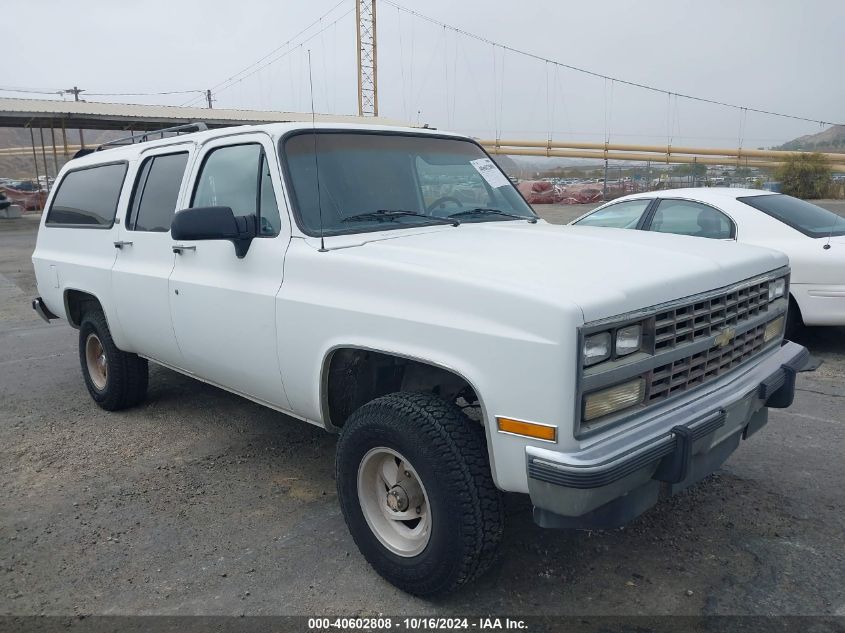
[
  {"x": 95, "y": 359},
  {"x": 394, "y": 501}
]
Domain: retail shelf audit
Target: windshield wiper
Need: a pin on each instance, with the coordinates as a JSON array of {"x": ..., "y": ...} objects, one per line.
[
  {"x": 390, "y": 214},
  {"x": 482, "y": 211}
]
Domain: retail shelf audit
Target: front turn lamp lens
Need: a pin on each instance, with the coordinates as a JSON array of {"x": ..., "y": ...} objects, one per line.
[
  {"x": 527, "y": 429},
  {"x": 777, "y": 288},
  {"x": 773, "y": 329},
  {"x": 596, "y": 348},
  {"x": 628, "y": 339},
  {"x": 613, "y": 399}
]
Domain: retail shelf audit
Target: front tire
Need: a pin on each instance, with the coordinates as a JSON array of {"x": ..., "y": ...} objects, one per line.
[
  {"x": 114, "y": 378},
  {"x": 416, "y": 491}
]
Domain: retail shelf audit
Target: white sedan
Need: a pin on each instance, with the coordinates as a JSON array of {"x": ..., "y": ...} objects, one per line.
[{"x": 812, "y": 237}]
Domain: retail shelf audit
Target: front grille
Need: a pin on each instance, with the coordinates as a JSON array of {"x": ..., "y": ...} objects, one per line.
[
  {"x": 693, "y": 370},
  {"x": 694, "y": 321},
  {"x": 686, "y": 344}
]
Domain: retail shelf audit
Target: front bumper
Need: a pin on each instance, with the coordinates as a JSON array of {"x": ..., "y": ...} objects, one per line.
[{"x": 611, "y": 482}]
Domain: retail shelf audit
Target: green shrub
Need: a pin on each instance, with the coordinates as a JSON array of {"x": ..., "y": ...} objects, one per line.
[{"x": 804, "y": 176}]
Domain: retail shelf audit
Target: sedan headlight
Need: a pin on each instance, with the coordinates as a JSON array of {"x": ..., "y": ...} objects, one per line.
[
  {"x": 628, "y": 339},
  {"x": 596, "y": 348},
  {"x": 777, "y": 288}
]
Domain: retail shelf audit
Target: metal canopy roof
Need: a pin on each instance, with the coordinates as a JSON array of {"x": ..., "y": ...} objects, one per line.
[{"x": 44, "y": 113}]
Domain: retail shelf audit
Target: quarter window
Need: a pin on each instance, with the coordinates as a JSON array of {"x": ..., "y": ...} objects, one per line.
[
  {"x": 622, "y": 215},
  {"x": 803, "y": 216},
  {"x": 157, "y": 192},
  {"x": 683, "y": 217},
  {"x": 238, "y": 176},
  {"x": 88, "y": 197}
]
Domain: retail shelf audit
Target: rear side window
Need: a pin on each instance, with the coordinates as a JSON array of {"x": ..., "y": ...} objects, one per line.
[
  {"x": 622, "y": 215},
  {"x": 808, "y": 218},
  {"x": 156, "y": 192},
  {"x": 88, "y": 197},
  {"x": 684, "y": 217}
]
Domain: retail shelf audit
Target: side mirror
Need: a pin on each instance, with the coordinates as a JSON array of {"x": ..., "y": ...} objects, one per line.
[{"x": 214, "y": 223}]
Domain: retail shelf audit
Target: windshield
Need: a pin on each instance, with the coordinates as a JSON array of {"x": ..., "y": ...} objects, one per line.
[
  {"x": 802, "y": 216},
  {"x": 366, "y": 179}
]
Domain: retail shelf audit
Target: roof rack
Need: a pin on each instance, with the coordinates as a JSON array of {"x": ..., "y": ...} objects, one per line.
[{"x": 148, "y": 136}]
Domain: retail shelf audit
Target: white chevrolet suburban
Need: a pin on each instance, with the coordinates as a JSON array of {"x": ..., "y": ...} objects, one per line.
[{"x": 391, "y": 285}]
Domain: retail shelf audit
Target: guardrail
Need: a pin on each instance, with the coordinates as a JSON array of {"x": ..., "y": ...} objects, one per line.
[{"x": 655, "y": 153}]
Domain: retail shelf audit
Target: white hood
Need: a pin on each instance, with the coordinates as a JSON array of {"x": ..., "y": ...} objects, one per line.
[{"x": 604, "y": 271}]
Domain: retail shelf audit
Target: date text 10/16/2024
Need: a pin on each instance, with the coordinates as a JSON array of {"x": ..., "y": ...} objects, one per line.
[{"x": 417, "y": 624}]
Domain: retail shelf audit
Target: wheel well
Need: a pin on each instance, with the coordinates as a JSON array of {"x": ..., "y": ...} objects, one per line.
[
  {"x": 76, "y": 303},
  {"x": 793, "y": 302},
  {"x": 352, "y": 377}
]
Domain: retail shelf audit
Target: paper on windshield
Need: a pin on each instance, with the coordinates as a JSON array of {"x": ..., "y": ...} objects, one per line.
[{"x": 488, "y": 170}]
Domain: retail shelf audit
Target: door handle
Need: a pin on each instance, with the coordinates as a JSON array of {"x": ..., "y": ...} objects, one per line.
[
  {"x": 122, "y": 244},
  {"x": 178, "y": 248}
]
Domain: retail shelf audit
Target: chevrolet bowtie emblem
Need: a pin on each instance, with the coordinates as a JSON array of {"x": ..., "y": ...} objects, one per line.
[{"x": 724, "y": 337}]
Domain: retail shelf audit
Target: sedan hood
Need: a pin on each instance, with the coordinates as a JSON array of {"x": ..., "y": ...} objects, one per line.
[{"x": 605, "y": 272}]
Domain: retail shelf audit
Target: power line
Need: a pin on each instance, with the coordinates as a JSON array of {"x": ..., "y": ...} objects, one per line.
[
  {"x": 236, "y": 78},
  {"x": 38, "y": 91},
  {"x": 285, "y": 54},
  {"x": 142, "y": 94},
  {"x": 596, "y": 74},
  {"x": 99, "y": 94}
]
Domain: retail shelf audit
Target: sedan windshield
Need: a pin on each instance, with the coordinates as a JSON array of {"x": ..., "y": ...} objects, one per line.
[
  {"x": 377, "y": 182},
  {"x": 802, "y": 216}
]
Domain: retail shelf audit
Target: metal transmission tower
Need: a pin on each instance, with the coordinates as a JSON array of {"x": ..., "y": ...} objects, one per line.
[{"x": 365, "y": 17}]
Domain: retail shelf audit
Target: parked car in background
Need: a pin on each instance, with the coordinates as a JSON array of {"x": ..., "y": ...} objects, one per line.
[
  {"x": 812, "y": 237},
  {"x": 25, "y": 193}
]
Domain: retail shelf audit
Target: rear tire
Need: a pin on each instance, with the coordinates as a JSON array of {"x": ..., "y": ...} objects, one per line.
[
  {"x": 115, "y": 379},
  {"x": 455, "y": 514}
]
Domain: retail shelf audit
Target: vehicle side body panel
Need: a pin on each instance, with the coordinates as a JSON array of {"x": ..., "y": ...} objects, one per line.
[
  {"x": 502, "y": 343},
  {"x": 79, "y": 259}
]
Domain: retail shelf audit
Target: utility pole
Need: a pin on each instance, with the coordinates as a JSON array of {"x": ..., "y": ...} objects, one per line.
[
  {"x": 208, "y": 99},
  {"x": 365, "y": 18},
  {"x": 604, "y": 186},
  {"x": 73, "y": 91}
]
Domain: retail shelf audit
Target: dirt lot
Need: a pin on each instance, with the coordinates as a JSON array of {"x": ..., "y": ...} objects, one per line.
[{"x": 200, "y": 502}]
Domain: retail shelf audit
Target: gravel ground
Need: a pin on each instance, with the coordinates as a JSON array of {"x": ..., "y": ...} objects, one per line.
[{"x": 200, "y": 502}]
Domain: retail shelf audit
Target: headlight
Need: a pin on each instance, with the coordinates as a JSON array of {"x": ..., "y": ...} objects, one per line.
[
  {"x": 628, "y": 339},
  {"x": 777, "y": 288},
  {"x": 601, "y": 403},
  {"x": 596, "y": 348}
]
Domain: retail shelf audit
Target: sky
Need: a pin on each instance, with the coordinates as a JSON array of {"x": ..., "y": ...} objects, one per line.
[{"x": 778, "y": 55}]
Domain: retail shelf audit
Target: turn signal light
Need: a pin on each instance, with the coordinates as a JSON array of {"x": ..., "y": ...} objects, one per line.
[
  {"x": 528, "y": 429},
  {"x": 773, "y": 329}
]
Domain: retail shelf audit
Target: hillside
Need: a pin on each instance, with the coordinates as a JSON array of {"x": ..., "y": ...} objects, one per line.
[{"x": 830, "y": 140}]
